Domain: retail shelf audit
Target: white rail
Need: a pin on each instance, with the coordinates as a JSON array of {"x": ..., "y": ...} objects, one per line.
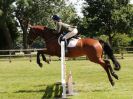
[{"x": 63, "y": 69}]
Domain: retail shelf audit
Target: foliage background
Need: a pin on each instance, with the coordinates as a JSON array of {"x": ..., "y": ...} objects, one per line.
[{"x": 112, "y": 19}]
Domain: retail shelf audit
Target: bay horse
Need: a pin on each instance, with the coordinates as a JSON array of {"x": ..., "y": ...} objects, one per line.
[{"x": 92, "y": 48}]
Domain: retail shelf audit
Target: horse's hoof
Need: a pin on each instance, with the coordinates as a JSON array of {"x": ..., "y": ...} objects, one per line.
[
  {"x": 40, "y": 65},
  {"x": 112, "y": 83},
  {"x": 115, "y": 76},
  {"x": 48, "y": 61},
  {"x": 116, "y": 68}
]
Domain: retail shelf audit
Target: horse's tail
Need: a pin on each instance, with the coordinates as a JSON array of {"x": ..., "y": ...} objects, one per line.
[{"x": 108, "y": 50}]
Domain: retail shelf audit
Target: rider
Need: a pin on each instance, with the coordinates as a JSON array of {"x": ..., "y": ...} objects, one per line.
[{"x": 64, "y": 28}]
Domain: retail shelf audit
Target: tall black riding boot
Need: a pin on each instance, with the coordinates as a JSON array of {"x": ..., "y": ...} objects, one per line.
[{"x": 66, "y": 49}]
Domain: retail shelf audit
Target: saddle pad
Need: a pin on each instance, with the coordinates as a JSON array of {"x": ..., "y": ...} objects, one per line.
[{"x": 72, "y": 42}]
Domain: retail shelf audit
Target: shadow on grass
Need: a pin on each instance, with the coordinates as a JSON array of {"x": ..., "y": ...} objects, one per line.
[
  {"x": 29, "y": 91},
  {"x": 94, "y": 90},
  {"x": 2, "y": 92},
  {"x": 51, "y": 91}
]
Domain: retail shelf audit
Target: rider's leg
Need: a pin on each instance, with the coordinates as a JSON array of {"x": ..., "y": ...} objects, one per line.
[{"x": 71, "y": 34}]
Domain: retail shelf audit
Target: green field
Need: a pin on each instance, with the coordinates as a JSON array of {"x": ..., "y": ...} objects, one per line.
[{"x": 22, "y": 79}]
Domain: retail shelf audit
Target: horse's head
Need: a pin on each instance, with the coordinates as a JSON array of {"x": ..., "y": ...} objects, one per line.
[
  {"x": 44, "y": 32},
  {"x": 32, "y": 35},
  {"x": 34, "y": 32}
]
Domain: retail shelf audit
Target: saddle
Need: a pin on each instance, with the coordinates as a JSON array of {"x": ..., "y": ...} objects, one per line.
[{"x": 71, "y": 42}]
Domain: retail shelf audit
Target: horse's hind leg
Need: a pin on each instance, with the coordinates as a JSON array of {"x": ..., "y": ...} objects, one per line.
[
  {"x": 106, "y": 68},
  {"x": 111, "y": 70}
]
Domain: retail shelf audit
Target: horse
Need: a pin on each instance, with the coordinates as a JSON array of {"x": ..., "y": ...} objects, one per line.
[{"x": 90, "y": 47}]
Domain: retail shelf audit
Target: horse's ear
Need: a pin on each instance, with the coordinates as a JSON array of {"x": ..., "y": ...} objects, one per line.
[{"x": 29, "y": 27}]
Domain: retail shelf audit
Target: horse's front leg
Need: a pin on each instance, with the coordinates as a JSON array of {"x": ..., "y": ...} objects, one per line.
[
  {"x": 42, "y": 52},
  {"x": 38, "y": 60},
  {"x": 44, "y": 58}
]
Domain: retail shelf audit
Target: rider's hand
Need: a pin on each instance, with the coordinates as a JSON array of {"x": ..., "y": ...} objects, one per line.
[{"x": 55, "y": 32}]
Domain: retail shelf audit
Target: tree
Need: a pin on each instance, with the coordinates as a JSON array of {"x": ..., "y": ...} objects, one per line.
[
  {"x": 45, "y": 9},
  {"x": 108, "y": 17},
  {"x": 39, "y": 12},
  {"x": 23, "y": 11},
  {"x": 6, "y": 23}
]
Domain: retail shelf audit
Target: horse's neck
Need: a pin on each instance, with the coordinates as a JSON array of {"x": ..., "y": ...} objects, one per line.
[{"x": 48, "y": 36}]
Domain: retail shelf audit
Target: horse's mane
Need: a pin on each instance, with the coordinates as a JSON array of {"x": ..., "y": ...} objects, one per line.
[
  {"x": 40, "y": 27},
  {"x": 50, "y": 31}
]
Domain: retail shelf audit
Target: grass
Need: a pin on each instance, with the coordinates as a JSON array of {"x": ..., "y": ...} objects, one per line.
[{"x": 25, "y": 80}]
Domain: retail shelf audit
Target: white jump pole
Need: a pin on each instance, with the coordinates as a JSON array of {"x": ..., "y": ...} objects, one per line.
[{"x": 63, "y": 71}]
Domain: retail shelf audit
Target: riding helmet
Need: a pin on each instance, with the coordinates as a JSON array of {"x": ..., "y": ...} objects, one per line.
[{"x": 56, "y": 17}]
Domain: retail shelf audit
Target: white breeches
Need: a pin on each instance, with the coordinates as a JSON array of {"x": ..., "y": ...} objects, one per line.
[{"x": 71, "y": 34}]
